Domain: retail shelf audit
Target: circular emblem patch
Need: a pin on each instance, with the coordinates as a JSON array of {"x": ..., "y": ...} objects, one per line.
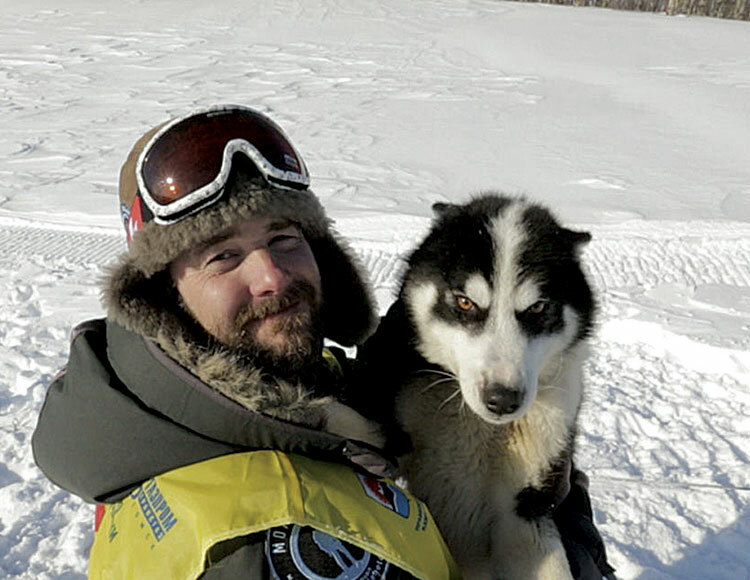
[{"x": 303, "y": 553}]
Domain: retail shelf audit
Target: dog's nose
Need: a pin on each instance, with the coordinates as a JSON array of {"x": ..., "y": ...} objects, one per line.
[{"x": 502, "y": 400}]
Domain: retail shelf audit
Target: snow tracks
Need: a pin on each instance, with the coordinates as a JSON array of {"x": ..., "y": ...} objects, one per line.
[{"x": 664, "y": 430}]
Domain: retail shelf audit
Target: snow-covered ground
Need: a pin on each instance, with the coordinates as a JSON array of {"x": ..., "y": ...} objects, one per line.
[{"x": 635, "y": 126}]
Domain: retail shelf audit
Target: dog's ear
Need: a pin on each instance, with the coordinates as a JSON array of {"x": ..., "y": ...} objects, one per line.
[
  {"x": 578, "y": 239},
  {"x": 441, "y": 209}
]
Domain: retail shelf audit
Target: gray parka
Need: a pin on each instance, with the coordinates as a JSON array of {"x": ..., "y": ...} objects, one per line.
[{"x": 123, "y": 412}]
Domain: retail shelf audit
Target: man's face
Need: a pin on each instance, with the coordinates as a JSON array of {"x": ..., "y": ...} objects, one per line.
[{"x": 256, "y": 288}]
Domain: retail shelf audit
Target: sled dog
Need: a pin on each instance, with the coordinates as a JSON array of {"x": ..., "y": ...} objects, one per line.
[{"x": 487, "y": 337}]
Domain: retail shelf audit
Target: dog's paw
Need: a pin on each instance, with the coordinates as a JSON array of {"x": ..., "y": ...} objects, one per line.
[{"x": 346, "y": 422}]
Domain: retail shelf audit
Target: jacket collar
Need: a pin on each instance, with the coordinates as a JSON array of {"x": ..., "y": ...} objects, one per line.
[{"x": 180, "y": 395}]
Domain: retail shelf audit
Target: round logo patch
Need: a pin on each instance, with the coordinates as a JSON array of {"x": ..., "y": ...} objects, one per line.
[{"x": 303, "y": 553}]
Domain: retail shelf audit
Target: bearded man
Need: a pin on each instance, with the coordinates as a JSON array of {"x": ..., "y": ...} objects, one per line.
[{"x": 204, "y": 415}]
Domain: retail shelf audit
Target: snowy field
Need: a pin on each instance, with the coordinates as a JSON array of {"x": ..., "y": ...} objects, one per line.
[{"x": 634, "y": 126}]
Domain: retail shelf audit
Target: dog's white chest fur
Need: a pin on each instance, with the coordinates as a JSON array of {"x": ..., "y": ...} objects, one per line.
[{"x": 470, "y": 473}]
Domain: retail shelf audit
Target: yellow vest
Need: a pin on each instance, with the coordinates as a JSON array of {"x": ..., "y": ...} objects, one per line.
[{"x": 165, "y": 527}]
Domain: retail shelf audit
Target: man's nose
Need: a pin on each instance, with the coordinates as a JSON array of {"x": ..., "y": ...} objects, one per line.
[{"x": 263, "y": 275}]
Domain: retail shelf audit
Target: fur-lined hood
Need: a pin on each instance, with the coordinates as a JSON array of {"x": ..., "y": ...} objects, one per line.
[
  {"x": 140, "y": 296},
  {"x": 139, "y": 293}
]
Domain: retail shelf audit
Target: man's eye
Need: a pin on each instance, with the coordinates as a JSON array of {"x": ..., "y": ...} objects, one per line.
[
  {"x": 284, "y": 242},
  {"x": 221, "y": 257}
]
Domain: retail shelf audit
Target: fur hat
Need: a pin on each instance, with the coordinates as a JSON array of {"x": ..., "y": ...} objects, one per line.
[{"x": 139, "y": 293}]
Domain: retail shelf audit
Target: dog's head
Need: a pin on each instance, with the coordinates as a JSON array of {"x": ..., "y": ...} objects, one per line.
[{"x": 496, "y": 296}]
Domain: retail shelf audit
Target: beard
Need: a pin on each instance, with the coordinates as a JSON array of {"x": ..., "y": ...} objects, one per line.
[{"x": 297, "y": 336}]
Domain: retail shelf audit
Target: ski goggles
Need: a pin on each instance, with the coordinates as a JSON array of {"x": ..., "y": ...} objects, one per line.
[{"x": 185, "y": 165}]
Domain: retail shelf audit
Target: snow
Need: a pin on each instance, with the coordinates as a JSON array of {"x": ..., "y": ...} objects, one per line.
[{"x": 632, "y": 126}]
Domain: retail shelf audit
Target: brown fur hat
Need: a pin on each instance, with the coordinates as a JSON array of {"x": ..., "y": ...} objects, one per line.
[{"x": 139, "y": 293}]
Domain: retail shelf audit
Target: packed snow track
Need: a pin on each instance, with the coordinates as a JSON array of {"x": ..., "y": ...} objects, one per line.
[{"x": 666, "y": 408}]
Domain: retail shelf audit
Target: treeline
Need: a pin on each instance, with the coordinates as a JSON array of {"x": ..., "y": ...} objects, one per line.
[{"x": 734, "y": 9}]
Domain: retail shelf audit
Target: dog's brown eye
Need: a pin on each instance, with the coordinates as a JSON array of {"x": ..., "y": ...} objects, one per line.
[
  {"x": 538, "y": 307},
  {"x": 465, "y": 303}
]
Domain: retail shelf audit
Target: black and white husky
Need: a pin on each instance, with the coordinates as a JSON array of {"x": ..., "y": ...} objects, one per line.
[{"x": 487, "y": 341}]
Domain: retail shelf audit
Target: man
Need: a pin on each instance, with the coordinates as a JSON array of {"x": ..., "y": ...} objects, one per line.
[{"x": 201, "y": 415}]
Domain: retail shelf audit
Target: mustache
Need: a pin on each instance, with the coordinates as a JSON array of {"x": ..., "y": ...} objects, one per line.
[{"x": 298, "y": 291}]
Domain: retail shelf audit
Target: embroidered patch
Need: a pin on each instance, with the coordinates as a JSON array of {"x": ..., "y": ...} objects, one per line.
[
  {"x": 155, "y": 509},
  {"x": 133, "y": 218},
  {"x": 99, "y": 515},
  {"x": 124, "y": 213},
  {"x": 385, "y": 494},
  {"x": 303, "y": 553}
]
